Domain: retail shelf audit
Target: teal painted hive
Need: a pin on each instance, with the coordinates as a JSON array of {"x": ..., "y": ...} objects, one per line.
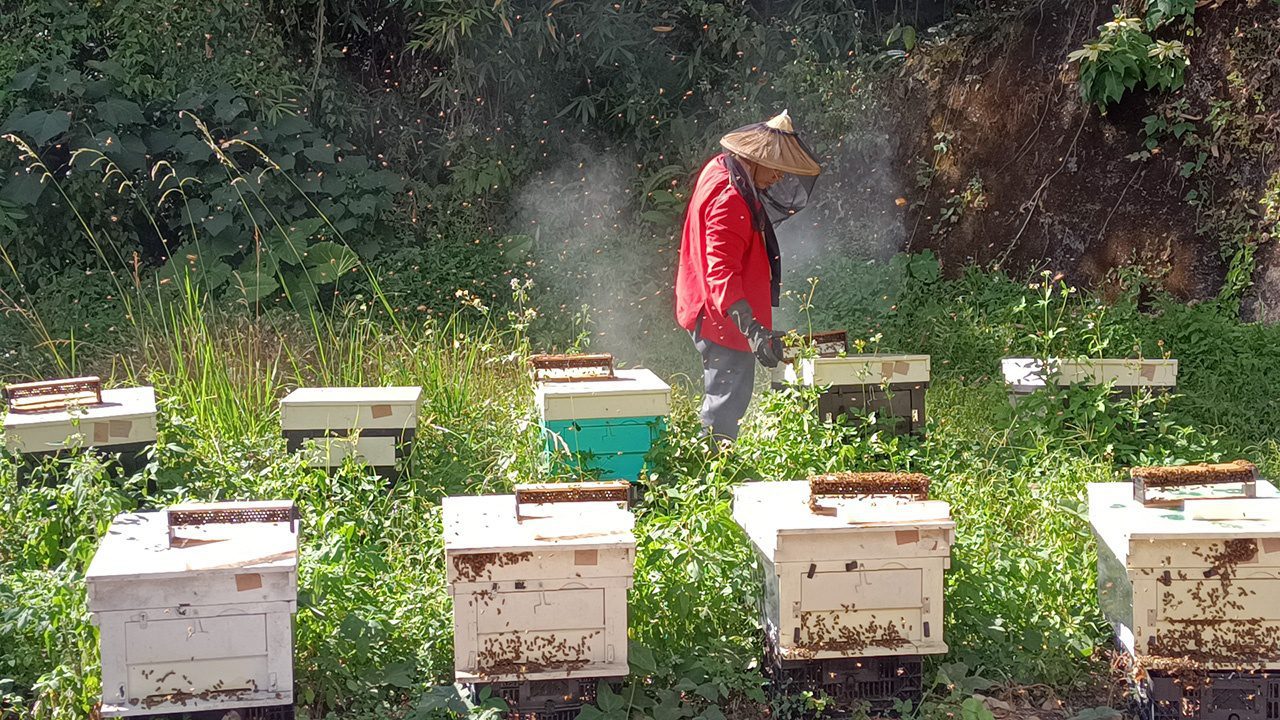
[{"x": 604, "y": 427}]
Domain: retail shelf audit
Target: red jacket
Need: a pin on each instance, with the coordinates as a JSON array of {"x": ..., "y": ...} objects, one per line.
[{"x": 722, "y": 260}]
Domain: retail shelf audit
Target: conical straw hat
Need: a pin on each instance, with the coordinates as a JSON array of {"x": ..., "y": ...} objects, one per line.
[{"x": 773, "y": 144}]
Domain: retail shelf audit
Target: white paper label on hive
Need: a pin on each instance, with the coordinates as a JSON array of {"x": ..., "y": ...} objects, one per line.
[{"x": 248, "y": 581}]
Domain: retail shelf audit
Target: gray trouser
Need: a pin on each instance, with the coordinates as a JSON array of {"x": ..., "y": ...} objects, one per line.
[{"x": 727, "y": 376}]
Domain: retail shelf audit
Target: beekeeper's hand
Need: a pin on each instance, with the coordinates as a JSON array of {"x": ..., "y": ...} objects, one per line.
[{"x": 765, "y": 344}]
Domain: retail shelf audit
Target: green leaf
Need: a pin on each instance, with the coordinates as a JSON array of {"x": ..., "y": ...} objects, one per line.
[
  {"x": 328, "y": 261},
  {"x": 24, "y": 79},
  {"x": 293, "y": 245},
  {"x": 256, "y": 287},
  {"x": 118, "y": 111},
  {"x": 321, "y": 153},
  {"x": 24, "y": 188},
  {"x": 229, "y": 108},
  {"x": 607, "y": 699},
  {"x": 399, "y": 674},
  {"x": 909, "y": 37},
  {"x": 642, "y": 660},
  {"x": 713, "y": 713},
  {"x": 39, "y": 127}
]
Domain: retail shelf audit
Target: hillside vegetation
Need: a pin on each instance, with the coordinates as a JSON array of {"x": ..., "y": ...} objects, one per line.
[{"x": 227, "y": 200}]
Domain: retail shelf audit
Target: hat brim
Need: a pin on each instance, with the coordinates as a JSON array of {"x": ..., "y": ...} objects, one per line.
[{"x": 776, "y": 149}]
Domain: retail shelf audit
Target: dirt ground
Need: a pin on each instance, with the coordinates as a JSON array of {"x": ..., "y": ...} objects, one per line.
[{"x": 1058, "y": 191}]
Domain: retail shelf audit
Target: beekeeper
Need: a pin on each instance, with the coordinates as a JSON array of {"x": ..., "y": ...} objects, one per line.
[{"x": 730, "y": 274}]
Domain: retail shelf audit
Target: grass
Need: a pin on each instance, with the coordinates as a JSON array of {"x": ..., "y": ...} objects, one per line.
[
  {"x": 373, "y": 631},
  {"x": 374, "y": 626}
]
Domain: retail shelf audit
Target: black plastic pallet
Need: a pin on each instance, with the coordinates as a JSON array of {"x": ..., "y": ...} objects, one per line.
[
  {"x": 871, "y": 684},
  {"x": 1214, "y": 695},
  {"x": 560, "y": 699}
]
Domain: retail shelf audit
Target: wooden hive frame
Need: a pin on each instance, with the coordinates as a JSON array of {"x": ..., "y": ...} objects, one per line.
[
  {"x": 862, "y": 484},
  {"x": 828, "y": 344},
  {"x": 196, "y": 514},
  {"x": 51, "y": 395},
  {"x": 546, "y": 493},
  {"x": 1240, "y": 472},
  {"x": 572, "y": 368}
]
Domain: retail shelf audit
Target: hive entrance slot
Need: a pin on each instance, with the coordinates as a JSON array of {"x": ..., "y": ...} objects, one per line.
[
  {"x": 1238, "y": 472},
  {"x": 50, "y": 395},
  {"x": 572, "y": 368},
  {"x": 549, "y": 493}
]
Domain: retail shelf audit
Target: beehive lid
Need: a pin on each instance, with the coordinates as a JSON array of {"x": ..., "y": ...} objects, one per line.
[
  {"x": 488, "y": 523},
  {"x": 634, "y": 393},
  {"x": 769, "y": 510},
  {"x": 323, "y": 396},
  {"x": 117, "y": 404},
  {"x": 1118, "y": 518},
  {"x": 1030, "y": 372},
  {"x": 636, "y": 381},
  {"x": 860, "y": 369},
  {"x": 137, "y": 546},
  {"x": 1022, "y": 372}
]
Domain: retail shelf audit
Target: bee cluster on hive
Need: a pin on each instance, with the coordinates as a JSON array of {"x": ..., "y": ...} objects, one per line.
[
  {"x": 1191, "y": 595},
  {"x": 852, "y": 568},
  {"x": 539, "y": 581}
]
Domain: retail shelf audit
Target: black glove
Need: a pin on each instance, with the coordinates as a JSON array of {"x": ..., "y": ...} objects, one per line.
[{"x": 765, "y": 343}]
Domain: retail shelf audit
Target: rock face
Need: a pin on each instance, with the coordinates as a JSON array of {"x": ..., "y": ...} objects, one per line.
[{"x": 1026, "y": 176}]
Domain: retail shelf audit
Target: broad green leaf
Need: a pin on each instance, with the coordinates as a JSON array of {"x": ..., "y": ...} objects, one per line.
[
  {"x": 118, "y": 111},
  {"x": 24, "y": 79},
  {"x": 642, "y": 660},
  {"x": 23, "y": 188},
  {"x": 607, "y": 699},
  {"x": 328, "y": 261},
  {"x": 39, "y": 127},
  {"x": 257, "y": 287},
  {"x": 291, "y": 247},
  {"x": 263, "y": 263},
  {"x": 399, "y": 674},
  {"x": 321, "y": 153},
  {"x": 227, "y": 109}
]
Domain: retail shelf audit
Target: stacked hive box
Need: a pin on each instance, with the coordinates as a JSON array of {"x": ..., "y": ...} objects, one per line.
[
  {"x": 539, "y": 582},
  {"x": 606, "y": 419},
  {"x": 1024, "y": 376},
  {"x": 853, "y": 581},
  {"x": 194, "y": 605},
  {"x": 52, "y": 417},
  {"x": 376, "y": 425},
  {"x": 1189, "y": 576},
  {"x": 890, "y": 386}
]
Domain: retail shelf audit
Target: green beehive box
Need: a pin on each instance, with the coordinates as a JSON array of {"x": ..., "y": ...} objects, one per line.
[{"x": 604, "y": 425}]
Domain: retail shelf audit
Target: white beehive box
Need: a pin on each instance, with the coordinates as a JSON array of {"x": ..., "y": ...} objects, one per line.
[
  {"x": 863, "y": 578},
  {"x": 542, "y": 595},
  {"x": 124, "y": 420},
  {"x": 333, "y": 423},
  {"x": 858, "y": 370},
  {"x": 197, "y": 615},
  {"x": 635, "y": 393},
  {"x": 1025, "y": 375},
  {"x": 1198, "y": 581}
]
